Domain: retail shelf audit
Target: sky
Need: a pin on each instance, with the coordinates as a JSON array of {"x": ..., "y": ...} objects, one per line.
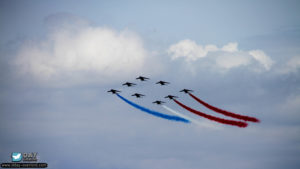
[{"x": 59, "y": 58}]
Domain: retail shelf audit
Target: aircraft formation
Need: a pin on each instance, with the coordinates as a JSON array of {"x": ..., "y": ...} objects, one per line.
[
  {"x": 139, "y": 95},
  {"x": 240, "y": 120}
]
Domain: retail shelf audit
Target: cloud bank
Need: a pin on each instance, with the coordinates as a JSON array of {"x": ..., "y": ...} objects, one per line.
[
  {"x": 80, "y": 53},
  {"x": 76, "y": 52},
  {"x": 226, "y": 57}
]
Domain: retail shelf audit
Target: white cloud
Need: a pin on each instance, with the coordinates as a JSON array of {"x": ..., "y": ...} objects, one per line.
[
  {"x": 189, "y": 49},
  {"x": 292, "y": 103},
  {"x": 82, "y": 55},
  {"x": 231, "y": 60},
  {"x": 291, "y": 107},
  {"x": 291, "y": 66},
  {"x": 226, "y": 57},
  {"x": 262, "y": 58},
  {"x": 230, "y": 47}
]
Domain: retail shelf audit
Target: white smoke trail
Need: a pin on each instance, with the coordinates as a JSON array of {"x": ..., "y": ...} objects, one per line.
[{"x": 202, "y": 124}]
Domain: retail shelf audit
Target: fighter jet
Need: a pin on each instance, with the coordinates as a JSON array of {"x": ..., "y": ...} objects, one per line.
[
  {"x": 113, "y": 91},
  {"x": 142, "y": 78},
  {"x": 171, "y": 97},
  {"x": 158, "y": 102},
  {"x": 137, "y": 95},
  {"x": 186, "y": 90},
  {"x": 162, "y": 83},
  {"x": 128, "y": 84}
]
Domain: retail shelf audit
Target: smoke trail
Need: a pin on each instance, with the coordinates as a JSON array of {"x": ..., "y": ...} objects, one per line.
[
  {"x": 224, "y": 112},
  {"x": 188, "y": 118},
  {"x": 217, "y": 119},
  {"x": 155, "y": 113}
]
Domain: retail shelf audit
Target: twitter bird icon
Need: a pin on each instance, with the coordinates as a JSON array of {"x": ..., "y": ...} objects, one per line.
[{"x": 16, "y": 157}]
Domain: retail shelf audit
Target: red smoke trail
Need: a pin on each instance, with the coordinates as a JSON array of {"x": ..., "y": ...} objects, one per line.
[
  {"x": 217, "y": 119},
  {"x": 224, "y": 112}
]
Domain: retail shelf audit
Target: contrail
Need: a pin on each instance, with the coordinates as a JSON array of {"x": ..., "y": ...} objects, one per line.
[
  {"x": 224, "y": 112},
  {"x": 188, "y": 118},
  {"x": 217, "y": 119},
  {"x": 155, "y": 113}
]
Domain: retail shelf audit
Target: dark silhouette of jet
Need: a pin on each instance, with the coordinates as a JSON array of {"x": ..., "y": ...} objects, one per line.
[
  {"x": 128, "y": 84},
  {"x": 162, "y": 83},
  {"x": 142, "y": 78},
  {"x": 186, "y": 90},
  {"x": 113, "y": 91},
  {"x": 171, "y": 97},
  {"x": 158, "y": 102},
  {"x": 137, "y": 95}
]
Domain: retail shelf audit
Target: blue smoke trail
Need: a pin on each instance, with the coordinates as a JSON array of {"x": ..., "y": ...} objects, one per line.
[{"x": 155, "y": 113}]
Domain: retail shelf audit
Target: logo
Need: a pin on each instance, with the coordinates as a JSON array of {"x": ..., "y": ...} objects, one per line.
[
  {"x": 16, "y": 157},
  {"x": 24, "y": 160},
  {"x": 30, "y": 157}
]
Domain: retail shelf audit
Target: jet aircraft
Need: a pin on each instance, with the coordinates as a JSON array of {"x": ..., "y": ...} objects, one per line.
[
  {"x": 162, "y": 83},
  {"x": 128, "y": 84},
  {"x": 171, "y": 97},
  {"x": 158, "y": 102},
  {"x": 186, "y": 90},
  {"x": 138, "y": 95},
  {"x": 113, "y": 91},
  {"x": 142, "y": 78}
]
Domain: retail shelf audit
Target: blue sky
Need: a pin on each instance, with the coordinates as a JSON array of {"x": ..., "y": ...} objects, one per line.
[{"x": 58, "y": 59}]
